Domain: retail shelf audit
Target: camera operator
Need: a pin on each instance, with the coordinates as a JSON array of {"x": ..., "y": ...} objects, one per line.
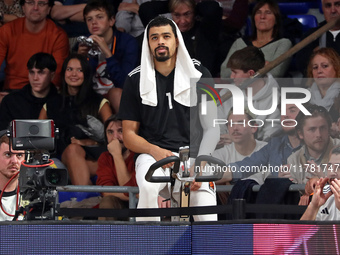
[{"x": 10, "y": 162}]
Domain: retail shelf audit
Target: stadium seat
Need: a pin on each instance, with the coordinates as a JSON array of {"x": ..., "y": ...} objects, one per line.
[
  {"x": 320, "y": 7},
  {"x": 290, "y": 8},
  {"x": 307, "y": 21},
  {"x": 247, "y": 31}
]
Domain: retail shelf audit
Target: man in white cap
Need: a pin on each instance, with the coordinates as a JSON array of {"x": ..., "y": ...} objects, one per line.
[{"x": 160, "y": 113}]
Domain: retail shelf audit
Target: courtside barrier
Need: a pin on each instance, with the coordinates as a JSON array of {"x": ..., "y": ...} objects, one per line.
[{"x": 238, "y": 209}]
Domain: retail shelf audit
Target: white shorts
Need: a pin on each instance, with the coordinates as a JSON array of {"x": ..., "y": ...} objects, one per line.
[{"x": 149, "y": 192}]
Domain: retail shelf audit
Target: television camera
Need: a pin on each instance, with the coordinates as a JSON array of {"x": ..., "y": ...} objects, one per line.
[{"x": 39, "y": 176}]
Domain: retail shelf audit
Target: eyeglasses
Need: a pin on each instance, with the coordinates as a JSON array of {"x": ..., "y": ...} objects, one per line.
[{"x": 40, "y": 3}]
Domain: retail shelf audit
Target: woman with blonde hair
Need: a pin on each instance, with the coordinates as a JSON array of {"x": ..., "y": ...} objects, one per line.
[{"x": 324, "y": 70}]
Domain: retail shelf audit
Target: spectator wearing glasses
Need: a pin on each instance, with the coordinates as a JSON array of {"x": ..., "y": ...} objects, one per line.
[
  {"x": 199, "y": 24},
  {"x": 23, "y": 37}
]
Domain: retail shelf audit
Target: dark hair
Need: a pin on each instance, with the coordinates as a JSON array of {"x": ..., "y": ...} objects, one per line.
[
  {"x": 160, "y": 21},
  {"x": 248, "y": 58},
  {"x": 274, "y": 7},
  {"x": 84, "y": 98},
  {"x": 112, "y": 118},
  {"x": 316, "y": 111},
  {"x": 3, "y": 137},
  {"x": 50, "y": 2},
  {"x": 42, "y": 60},
  {"x": 100, "y": 5}
]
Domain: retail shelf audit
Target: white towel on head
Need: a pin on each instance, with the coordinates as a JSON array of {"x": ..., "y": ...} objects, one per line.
[{"x": 185, "y": 70}]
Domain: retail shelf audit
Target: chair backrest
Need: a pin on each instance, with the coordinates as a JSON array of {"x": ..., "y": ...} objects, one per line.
[
  {"x": 308, "y": 21},
  {"x": 247, "y": 32},
  {"x": 287, "y": 8}
]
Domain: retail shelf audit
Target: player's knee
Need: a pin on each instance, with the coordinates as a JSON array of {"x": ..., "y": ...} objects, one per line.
[{"x": 149, "y": 188}]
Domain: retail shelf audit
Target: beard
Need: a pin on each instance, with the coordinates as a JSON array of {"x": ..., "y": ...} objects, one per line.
[
  {"x": 164, "y": 56},
  {"x": 291, "y": 132}
]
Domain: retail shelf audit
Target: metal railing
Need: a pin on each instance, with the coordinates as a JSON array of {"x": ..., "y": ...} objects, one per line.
[{"x": 132, "y": 191}]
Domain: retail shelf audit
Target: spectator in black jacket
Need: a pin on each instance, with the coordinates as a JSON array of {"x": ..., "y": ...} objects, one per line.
[
  {"x": 27, "y": 102},
  {"x": 330, "y": 39}
]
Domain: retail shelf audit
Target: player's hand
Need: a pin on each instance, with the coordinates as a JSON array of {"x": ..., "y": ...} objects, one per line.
[
  {"x": 195, "y": 186},
  {"x": 163, "y": 203},
  {"x": 159, "y": 153},
  {"x": 100, "y": 41}
]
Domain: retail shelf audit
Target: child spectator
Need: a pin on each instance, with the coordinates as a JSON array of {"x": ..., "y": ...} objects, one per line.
[
  {"x": 244, "y": 64},
  {"x": 118, "y": 51}
]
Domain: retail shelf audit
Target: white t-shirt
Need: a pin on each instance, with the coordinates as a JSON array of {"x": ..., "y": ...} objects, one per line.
[
  {"x": 228, "y": 153},
  {"x": 328, "y": 211},
  {"x": 8, "y": 202},
  {"x": 102, "y": 83}
]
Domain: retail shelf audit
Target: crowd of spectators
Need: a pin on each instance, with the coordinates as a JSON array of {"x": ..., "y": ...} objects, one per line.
[{"x": 68, "y": 60}]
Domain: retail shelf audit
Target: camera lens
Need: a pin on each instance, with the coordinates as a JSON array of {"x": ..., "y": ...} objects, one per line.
[
  {"x": 56, "y": 177},
  {"x": 53, "y": 177}
]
